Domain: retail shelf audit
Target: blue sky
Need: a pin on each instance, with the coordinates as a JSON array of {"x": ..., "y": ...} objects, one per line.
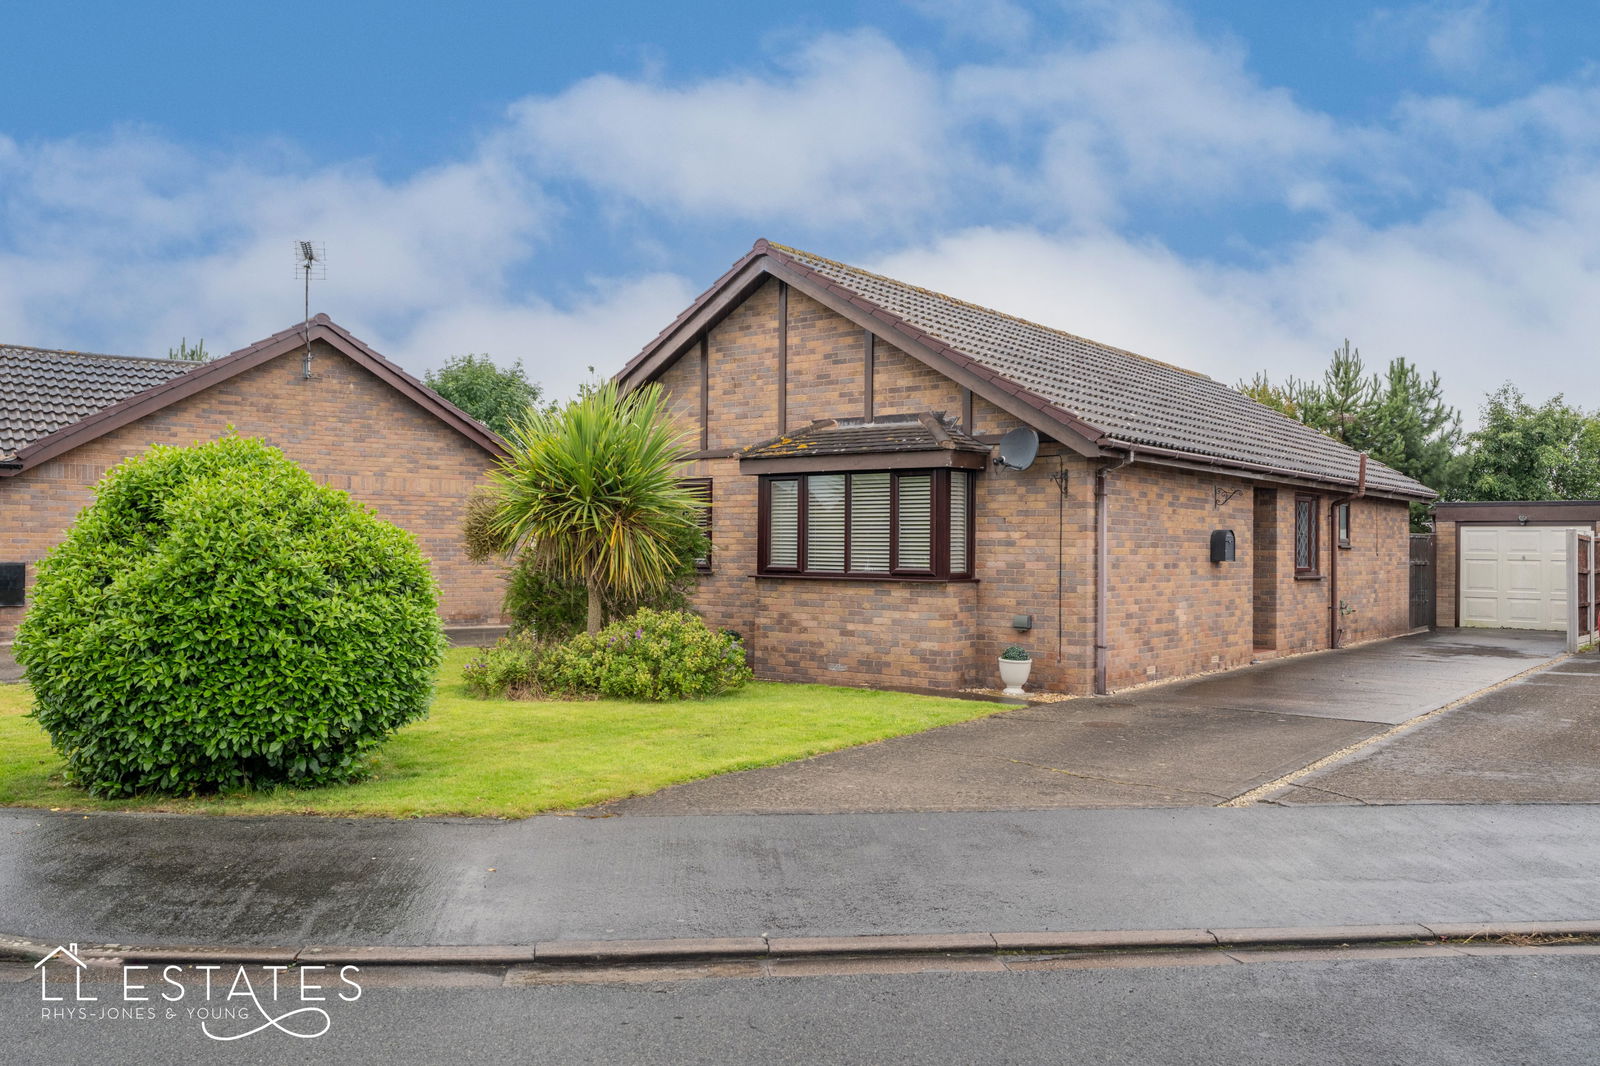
[{"x": 1228, "y": 186}]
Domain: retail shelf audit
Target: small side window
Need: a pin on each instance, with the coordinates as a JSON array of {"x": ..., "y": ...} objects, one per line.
[
  {"x": 701, "y": 486},
  {"x": 1305, "y": 535},
  {"x": 1344, "y": 525}
]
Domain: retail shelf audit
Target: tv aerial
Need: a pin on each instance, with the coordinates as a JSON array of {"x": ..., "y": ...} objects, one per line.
[
  {"x": 1018, "y": 449},
  {"x": 310, "y": 264}
]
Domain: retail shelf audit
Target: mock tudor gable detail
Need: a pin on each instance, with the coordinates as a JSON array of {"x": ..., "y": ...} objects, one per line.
[{"x": 1095, "y": 399}]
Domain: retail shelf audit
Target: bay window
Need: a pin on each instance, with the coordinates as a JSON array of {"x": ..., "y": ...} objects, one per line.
[{"x": 896, "y": 524}]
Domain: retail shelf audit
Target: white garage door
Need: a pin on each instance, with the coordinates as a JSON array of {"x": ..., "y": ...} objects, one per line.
[{"x": 1514, "y": 577}]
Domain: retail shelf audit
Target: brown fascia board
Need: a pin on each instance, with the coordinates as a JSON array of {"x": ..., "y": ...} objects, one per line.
[
  {"x": 217, "y": 371},
  {"x": 672, "y": 341},
  {"x": 1585, "y": 511},
  {"x": 1151, "y": 455}
]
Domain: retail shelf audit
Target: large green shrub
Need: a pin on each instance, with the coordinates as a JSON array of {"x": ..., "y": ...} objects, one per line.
[
  {"x": 216, "y": 619},
  {"x": 650, "y": 655}
]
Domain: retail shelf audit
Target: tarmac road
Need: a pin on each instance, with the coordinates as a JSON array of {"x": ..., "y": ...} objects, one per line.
[
  {"x": 1535, "y": 1009},
  {"x": 174, "y": 879}
]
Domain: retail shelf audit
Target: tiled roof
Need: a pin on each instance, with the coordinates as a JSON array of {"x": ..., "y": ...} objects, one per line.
[
  {"x": 857, "y": 436},
  {"x": 42, "y": 390},
  {"x": 1127, "y": 398}
]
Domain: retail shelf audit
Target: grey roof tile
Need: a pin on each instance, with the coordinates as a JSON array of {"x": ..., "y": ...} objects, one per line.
[
  {"x": 1127, "y": 397},
  {"x": 43, "y": 390}
]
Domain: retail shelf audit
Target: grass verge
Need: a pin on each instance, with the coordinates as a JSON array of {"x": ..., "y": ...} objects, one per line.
[{"x": 510, "y": 759}]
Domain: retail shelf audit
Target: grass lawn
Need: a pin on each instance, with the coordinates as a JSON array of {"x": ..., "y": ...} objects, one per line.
[{"x": 502, "y": 758}]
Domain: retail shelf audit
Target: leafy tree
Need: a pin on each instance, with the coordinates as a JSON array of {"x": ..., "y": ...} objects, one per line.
[
  {"x": 197, "y": 354},
  {"x": 1397, "y": 416},
  {"x": 590, "y": 493},
  {"x": 1523, "y": 452},
  {"x": 217, "y": 619},
  {"x": 497, "y": 398}
]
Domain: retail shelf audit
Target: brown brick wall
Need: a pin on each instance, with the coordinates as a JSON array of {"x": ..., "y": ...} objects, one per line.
[
  {"x": 743, "y": 397},
  {"x": 826, "y": 354},
  {"x": 902, "y": 385},
  {"x": 877, "y": 634},
  {"x": 1374, "y": 575},
  {"x": 1375, "y": 571},
  {"x": 1172, "y": 611},
  {"x": 681, "y": 381},
  {"x": 1265, "y": 566},
  {"x": 345, "y": 426}
]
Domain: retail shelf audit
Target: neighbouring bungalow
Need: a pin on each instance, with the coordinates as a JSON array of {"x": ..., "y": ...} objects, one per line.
[
  {"x": 846, "y": 429},
  {"x": 329, "y": 402}
]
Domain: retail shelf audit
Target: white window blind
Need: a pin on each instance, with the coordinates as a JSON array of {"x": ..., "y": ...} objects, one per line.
[
  {"x": 958, "y": 521},
  {"x": 915, "y": 520},
  {"x": 784, "y": 524},
  {"x": 825, "y": 522},
  {"x": 869, "y": 522}
]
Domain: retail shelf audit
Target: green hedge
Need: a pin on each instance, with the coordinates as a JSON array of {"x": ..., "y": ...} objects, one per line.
[{"x": 216, "y": 619}]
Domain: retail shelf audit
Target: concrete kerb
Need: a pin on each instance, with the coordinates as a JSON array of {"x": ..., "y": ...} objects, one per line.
[{"x": 591, "y": 953}]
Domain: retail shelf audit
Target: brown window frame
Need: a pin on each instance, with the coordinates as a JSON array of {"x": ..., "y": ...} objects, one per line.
[
  {"x": 703, "y": 486},
  {"x": 1315, "y": 523},
  {"x": 1343, "y": 523},
  {"x": 939, "y": 501}
]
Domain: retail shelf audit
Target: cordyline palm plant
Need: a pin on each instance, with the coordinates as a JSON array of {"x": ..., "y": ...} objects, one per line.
[{"x": 591, "y": 491}]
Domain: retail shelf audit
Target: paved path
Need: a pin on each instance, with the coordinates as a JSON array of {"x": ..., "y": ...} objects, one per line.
[
  {"x": 1192, "y": 743},
  {"x": 174, "y": 879},
  {"x": 1536, "y": 740}
]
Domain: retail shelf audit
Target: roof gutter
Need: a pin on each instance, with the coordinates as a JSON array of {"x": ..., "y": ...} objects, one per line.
[
  {"x": 1335, "y": 630},
  {"x": 1194, "y": 458},
  {"x": 1102, "y": 559}
]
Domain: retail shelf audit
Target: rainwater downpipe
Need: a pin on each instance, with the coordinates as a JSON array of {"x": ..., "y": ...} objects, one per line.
[
  {"x": 1102, "y": 560},
  {"x": 1335, "y": 630}
]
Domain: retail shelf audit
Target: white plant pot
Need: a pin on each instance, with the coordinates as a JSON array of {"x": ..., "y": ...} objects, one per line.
[{"x": 1014, "y": 672}]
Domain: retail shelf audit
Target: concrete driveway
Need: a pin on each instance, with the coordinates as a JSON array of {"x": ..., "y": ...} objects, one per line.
[
  {"x": 1536, "y": 740},
  {"x": 1190, "y": 743}
]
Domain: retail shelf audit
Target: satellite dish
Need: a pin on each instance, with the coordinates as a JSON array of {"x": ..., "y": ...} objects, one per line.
[{"x": 1018, "y": 448}]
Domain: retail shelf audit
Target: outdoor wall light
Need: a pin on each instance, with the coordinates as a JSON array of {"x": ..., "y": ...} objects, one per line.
[{"x": 1222, "y": 546}]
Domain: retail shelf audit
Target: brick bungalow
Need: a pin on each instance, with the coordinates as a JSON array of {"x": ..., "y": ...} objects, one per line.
[
  {"x": 845, "y": 427},
  {"x": 349, "y": 416}
]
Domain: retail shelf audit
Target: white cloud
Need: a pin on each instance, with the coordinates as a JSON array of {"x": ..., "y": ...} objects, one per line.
[
  {"x": 1478, "y": 295},
  {"x": 845, "y": 129},
  {"x": 128, "y": 241},
  {"x": 1146, "y": 107},
  {"x": 557, "y": 346},
  {"x": 991, "y": 21},
  {"x": 1459, "y": 40}
]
